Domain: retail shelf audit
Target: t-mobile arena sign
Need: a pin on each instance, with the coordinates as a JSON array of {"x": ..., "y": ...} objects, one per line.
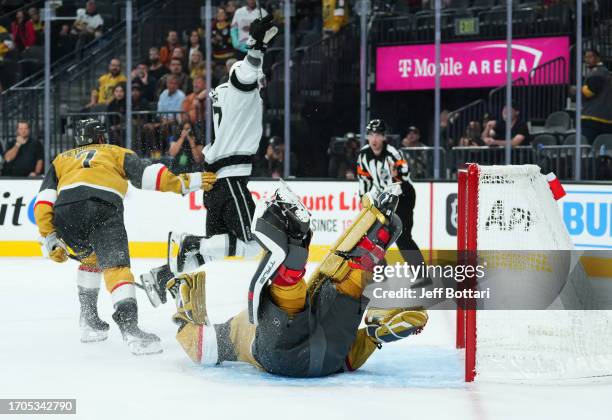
[{"x": 466, "y": 64}]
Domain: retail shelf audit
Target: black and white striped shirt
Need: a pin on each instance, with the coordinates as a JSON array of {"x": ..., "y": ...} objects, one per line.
[{"x": 379, "y": 171}]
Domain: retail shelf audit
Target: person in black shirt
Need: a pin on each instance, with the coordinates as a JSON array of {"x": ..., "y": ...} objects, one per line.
[
  {"x": 117, "y": 105},
  {"x": 186, "y": 151},
  {"x": 494, "y": 133},
  {"x": 24, "y": 156},
  {"x": 156, "y": 69},
  {"x": 147, "y": 82}
]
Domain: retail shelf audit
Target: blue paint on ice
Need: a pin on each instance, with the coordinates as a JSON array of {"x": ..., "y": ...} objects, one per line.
[{"x": 393, "y": 366}]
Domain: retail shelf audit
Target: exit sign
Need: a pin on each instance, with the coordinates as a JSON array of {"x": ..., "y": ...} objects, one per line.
[{"x": 466, "y": 26}]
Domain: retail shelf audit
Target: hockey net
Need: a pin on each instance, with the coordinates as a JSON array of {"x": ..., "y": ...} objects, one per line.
[{"x": 511, "y": 345}]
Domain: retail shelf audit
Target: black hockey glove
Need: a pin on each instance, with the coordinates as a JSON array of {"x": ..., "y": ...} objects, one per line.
[{"x": 261, "y": 33}]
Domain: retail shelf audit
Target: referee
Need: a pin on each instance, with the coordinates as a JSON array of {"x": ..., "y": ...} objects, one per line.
[{"x": 380, "y": 165}]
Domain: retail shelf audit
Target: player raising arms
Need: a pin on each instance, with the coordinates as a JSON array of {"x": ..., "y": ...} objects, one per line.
[
  {"x": 298, "y": 329},
  {"x": 79, "y": 213},
  {"x": 238, "y": 113}
]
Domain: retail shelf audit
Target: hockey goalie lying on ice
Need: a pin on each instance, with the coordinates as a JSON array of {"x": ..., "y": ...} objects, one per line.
[{"x": 293, "y": 327}]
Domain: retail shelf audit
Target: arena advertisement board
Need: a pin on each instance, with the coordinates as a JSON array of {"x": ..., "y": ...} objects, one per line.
[
  {"x": 586, "y": 211},
  {"x": 587, "y": 214},
  {"x": 466, "y": 64}
]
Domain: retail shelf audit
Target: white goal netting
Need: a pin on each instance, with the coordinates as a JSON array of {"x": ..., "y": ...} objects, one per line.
[{"x": 516, "y": 212}]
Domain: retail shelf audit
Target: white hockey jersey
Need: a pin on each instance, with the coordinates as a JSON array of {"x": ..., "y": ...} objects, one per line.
[{"x": 237, "y": 119}]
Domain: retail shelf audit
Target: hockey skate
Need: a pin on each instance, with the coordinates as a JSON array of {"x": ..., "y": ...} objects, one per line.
[
  {"x": 154, "y": 284},
  {"x": 388, "y": 325},
  {"x": 138, "y": 341},
  {"x": 184, "y": 252},
  {"x": 93, "y": 329}
]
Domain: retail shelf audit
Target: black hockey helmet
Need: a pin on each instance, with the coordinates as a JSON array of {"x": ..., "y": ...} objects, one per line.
[
  {"x": 376, "y": 126},
  {"x": 89, "y": 131}
]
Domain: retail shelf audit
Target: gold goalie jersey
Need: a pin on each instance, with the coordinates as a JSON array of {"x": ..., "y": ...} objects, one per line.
[{"x": 102, "y": 171}]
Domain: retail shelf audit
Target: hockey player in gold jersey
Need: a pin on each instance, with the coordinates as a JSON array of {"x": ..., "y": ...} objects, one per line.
[
  {"x": 294, "y": 328},
  {"x": 79, "y": 213}
]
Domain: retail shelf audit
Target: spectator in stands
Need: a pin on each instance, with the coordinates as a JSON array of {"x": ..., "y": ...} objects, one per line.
[
  {"x": 221, "y": 38},
  {"x": 147, "y": 83},
  {"x": 230, "y": 9},
  {"x": 596, "y": 97},
  {"x": 195, "y": 44},
  {"x": 108, "y": 81},
  {"x": 24, "y": 155},
  {"x": 172, "y": 42},
  {"x": 38, "y": 25},
  {"x": 412, "y": 138},
  {"x": 186, "y": 151},
  {"x": 270, "y": 165},
  {"x": 335, "y": 15},
  {"x": 171, "y": 101},
  {"x": 139, "y": 99},
  {"x": 6, "y": 43},
  {"x": 494, "y": 133},
  {"x": 176, "y": 71},
  {"x": 156, "y": 68},
  {"x": 444, "y": 123},
  {"x": 472, "y": 136},
  {"x": 194, "y": 106},
  {"x": 241, "y": 23},
  {"x": 22, "y": 30},
  {"x": 143, "y": 128},
  {"x": 86, "y": 27},
  {"x": 197, "y": 68},
  {"x": 117, "y": 105},
  {"x": 179, "y": 54},
  {"x": 343, "y": 158}
]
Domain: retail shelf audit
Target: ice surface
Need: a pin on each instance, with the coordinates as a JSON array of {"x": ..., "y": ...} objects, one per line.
[{"x": 420, "y": 377}]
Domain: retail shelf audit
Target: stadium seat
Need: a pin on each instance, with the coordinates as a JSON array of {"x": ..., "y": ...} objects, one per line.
[
  {"x": 571, "y": 139},
  {"x": 557, "y": 122},
  {"x": 545, "y": 140},
  {"x": 604, "y": 140}
]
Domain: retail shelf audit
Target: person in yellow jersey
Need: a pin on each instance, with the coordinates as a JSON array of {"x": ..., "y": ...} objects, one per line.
[
  {"x": 79, "y": 213},
  {"x": 291, "y": 327}
]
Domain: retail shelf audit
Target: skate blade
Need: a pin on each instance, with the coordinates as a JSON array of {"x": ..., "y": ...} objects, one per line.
[
  {"x": 148, "y": 285},
  {"x": 93, "y": 336},
  {"x": 142, "y": 349}
]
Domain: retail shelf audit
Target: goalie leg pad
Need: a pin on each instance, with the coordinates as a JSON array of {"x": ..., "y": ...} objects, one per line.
[{"x": 352, "y": 268}]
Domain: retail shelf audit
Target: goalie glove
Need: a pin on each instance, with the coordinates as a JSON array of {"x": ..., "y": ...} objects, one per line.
[
  {"x": 54, "y": 248},
  {"x": 261, "y": 33},
  {"x": 189, "y": 293},
  {"x": 388, "y": 325}
]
